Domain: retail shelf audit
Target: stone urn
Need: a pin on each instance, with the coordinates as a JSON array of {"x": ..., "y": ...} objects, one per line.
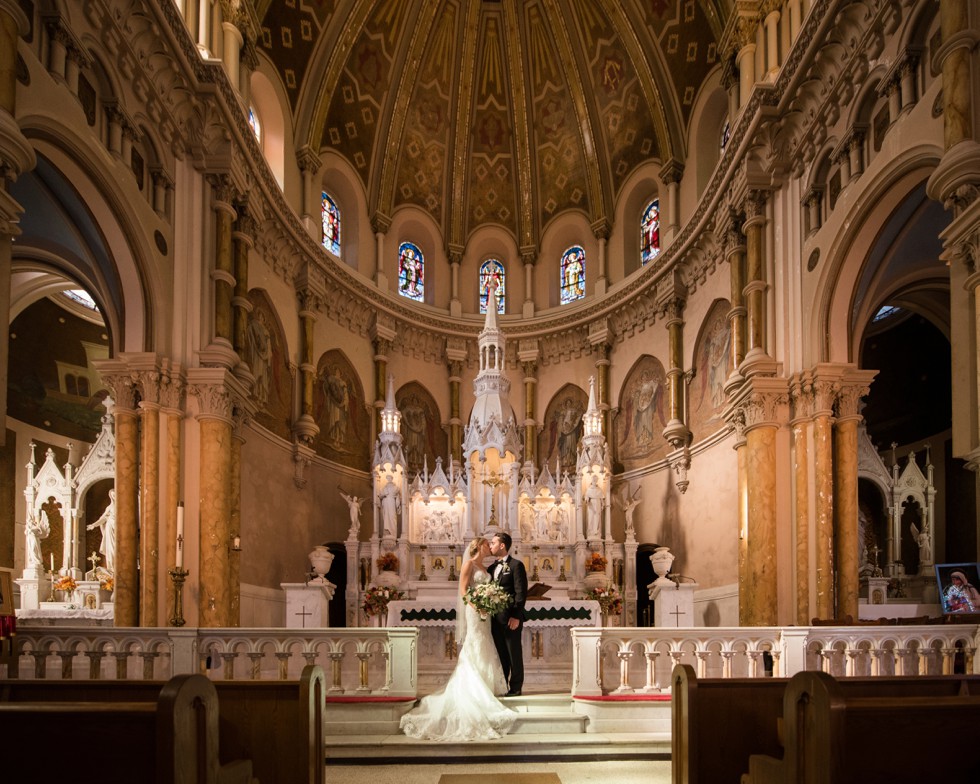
[
  {"x": 594, "y": 580},
  {"x": 387, "y": 579},
  {"x": 321, "y": 558},
  {"x": 662, "y": 559}
]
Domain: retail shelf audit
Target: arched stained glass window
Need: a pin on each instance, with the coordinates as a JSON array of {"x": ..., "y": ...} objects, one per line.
[
  {"x": 330, "y": 215},
  {"x": 492, "y": 269},
  {"x": 726, "y": 134},
  {"x": 572, "y": 274},
  {"x": 411, "y": 271},
  {"x": 253, "y": 121},
  {"x": 650, "y": 232}
]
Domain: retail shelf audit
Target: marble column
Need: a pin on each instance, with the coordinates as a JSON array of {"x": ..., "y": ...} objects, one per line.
[
  {"x": 455, "y": 357},
  {"x": 744, "y": 587},
  {"x": 602, "y": 365},
  {"x": 380, "y": 224},
  {"x": 755, "y": 287},
  {"x": 801, "y": 394},
  {"x": 127, "y": 591},
  {"x": 825, "y": 393},
  {"x": 600, "y": 230},
  {"x": 381, "y": 347},
  {"x": 955, "y": 55},
  {"x": 241, "y": 307},
  {"x": 735, "y": 252},
  {"x": 234, "y": 553},
  {"x": 231, "y": 55},
  {"x": 149, "y": 512},
  {"x": 763, "y": 402},
  {"x": 215, "y": 421},
  {"x": 309, "y": 164},
  {"x": 854, "y": 387},
  {"x": 174, "y": 418},
  {"x": 528, "y": 258},
  {"x": 676, "y": 431},
  {"x": 224, "y": 279},
  {"x": 530, "y": 422}
]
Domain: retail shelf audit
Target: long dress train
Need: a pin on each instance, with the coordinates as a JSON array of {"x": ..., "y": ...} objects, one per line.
[{"x": 466, "y": 708}]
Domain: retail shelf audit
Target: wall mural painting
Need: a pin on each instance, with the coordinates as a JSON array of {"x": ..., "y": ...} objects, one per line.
[
  {"x": 265, "y": 353},
  {"x": 422, "y": 435},
  {"x": 340, "y": 412},
  {"x": 562, "y": 428},
  {"x": 641, "y": 419},
  {"x": 51, "y": 381},
  {"x": 713, "y": 365}
]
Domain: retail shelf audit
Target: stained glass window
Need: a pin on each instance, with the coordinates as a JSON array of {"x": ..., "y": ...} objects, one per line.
[
  {"x": 572, "y": 274},
  {"x": 411, "y": 272},
  {"x": 650, "y": 232},
  {"x": 492, "y": 270},
  {"x": 330, "y": 215},
  {"x": 253, "y": 121},
  {"x": 726, "y": 134}
]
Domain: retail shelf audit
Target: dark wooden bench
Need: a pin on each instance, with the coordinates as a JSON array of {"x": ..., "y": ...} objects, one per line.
[
  {"x": 839, "y": 732},
  {"x": 717, "y": 723},
  {"x": 277, "y": 725},
  {"x": 171, "y": 737}
]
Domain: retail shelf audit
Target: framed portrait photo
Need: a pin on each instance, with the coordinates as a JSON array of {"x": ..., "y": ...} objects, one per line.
[{"x": 6, "y": 592}]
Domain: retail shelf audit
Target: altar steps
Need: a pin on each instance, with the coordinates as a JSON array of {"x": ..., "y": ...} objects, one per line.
[{"x": 550, "y": 727}]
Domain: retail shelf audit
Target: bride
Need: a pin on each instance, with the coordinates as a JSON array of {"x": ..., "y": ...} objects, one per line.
[{"x": 466, "y": 708}]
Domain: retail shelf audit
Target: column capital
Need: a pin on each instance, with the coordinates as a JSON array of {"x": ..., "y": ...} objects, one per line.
[
  {"x": 854, "y": 385},
  {"x": 308, "y": 159},
  {"x": 528, "y": 350},
  {"x": 456, "y": 350},
  {"x": 380, "y": 223},
  {"x": 218, "y": 394},
  {"x": 12, "y": 9},
  {"x": 601, "y": 229},
  {"x": 671, "y": 172},
  {"x": 764, "y": 402},
  {"x": 383, "y": 330}
]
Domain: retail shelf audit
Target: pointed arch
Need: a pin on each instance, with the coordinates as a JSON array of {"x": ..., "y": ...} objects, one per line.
[
  {"x": 340, "y": 412},
  {"x": 640, "y": 420},
  {"x": 712, "y": 366},
  {"x": 267, "y": 357},
  {"x": 562, "y": 427},
  {"x": 423, "y": 439}
]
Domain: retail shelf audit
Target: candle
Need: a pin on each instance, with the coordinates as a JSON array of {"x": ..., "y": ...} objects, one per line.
[
  {"x": 180, "y": 535},
  {"x": 52, "y": 562}
]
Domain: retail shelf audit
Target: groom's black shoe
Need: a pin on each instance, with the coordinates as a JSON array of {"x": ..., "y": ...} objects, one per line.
[{"x": 513, "y": 694}]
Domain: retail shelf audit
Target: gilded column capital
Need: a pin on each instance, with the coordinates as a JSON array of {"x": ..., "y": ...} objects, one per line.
[
  {"x": 802, "y": 398},
  {"x": 214, "y": 401},
  {"x": 854, "y": 386},
  {"x": 172, "y": 388},
  {"x": 601, "y": 228},
  {"x": 59, "y": 31},
  {"x": 529, "y": 255},
  {"x": 308, "y": 160},
  {"x": 734, "y": 238},
  {"x": 755, "y": 208},
  {"x": 764, "y": 402},
  {"x": 123, "y": 389},
  {"x": 223, "y": 191}
]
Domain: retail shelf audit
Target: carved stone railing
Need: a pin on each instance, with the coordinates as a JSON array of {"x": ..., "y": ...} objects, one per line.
[
  {"x": 358, "y": 662},
  {"x": 640, "y": 660}
]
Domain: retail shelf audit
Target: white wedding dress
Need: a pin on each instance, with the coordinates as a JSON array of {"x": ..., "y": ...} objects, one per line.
[{"x": 466, "y": 708}]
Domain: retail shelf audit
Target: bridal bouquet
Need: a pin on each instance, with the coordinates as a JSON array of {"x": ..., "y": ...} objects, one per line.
[{"x": 487, "y": 599}]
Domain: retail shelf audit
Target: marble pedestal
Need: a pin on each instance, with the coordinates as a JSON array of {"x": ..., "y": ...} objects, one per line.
[
  {"x": 673, "y": 603},
  {"x": 307, "y": 604},
  {"x": 33, "y": 591}
]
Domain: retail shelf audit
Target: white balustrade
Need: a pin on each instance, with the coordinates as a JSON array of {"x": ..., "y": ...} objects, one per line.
[
  {"x": 358, "y": 662},
  {"x": 384, "y": 661}
]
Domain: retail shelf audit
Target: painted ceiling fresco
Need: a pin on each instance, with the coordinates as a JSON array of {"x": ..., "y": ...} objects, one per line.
[{"x": 494, "y": 111}]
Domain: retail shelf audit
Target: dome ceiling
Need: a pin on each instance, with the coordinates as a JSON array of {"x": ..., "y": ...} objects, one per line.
[{"x": 503, "y": 112}]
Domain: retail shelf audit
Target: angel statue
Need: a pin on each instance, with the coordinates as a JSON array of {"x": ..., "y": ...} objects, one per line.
[
  {"x": 925, "y": 546},
  {"x": 354, "y": 504},
  {"x": 630, "y": 502}
]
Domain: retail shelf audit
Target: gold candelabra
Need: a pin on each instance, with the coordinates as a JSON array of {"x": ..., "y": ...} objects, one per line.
[
  {"x": 423, "y": 577},
  {"x": 534, "y": 559},
  {"x": 561, "y": 557},
  {"x": 493, "y": 482},
  {"x": 178, "y": 575},
  {"x": 452, "y": 562}
]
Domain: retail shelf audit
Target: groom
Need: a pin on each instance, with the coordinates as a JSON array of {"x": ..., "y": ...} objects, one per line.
[{"x": 507, "y": 625}]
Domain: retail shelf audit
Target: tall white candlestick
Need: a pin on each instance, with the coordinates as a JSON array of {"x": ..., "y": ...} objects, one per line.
[{"x": 180, "y": 535}]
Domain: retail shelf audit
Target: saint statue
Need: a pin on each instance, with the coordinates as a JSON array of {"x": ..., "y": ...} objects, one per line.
[
  {"x": 593, "y": 500},
  {"x": 37, "y": 528},
  {"x": 108, "y": 525},
  {"x": 390, "y": 502}
]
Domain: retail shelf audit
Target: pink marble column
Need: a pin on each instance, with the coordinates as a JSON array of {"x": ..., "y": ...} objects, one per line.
[
  {"x": 802, "y": 397},
  {"x": 755, "y": 287},
  {"x": 224, "y": 279},
  {"x": 744, "y": 586},
  {"x": 173, "y": 498},
  {"x": 149, "y": 513},
  {"x": 736, "y": 315},
  {"x": 760, "y": 461},
  {"x": 215, "y": 514},
  {"x": 127, "y": 488},
  {"x": 823, "y": 478},
  {"x": 235, "y": 556}
]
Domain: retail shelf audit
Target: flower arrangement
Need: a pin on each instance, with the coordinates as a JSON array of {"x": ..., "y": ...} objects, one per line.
[
  {"x": 376, "y": 599},
  {"x": 595, "y": 563},
  {"x": 388, "y": 562},
  {"x": 107, "y": 583},
  {"x": 609, "y": 598},
  {"x": 487, "y": 599},
  {"x": 65, "y": 583}
]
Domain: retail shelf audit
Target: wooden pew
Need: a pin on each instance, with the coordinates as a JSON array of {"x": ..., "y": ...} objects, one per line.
[
  {"x": 718, "y": 722},
  {"x": 170, "y": 738},
  {"x": 277, "y": 725},
  {"x": 861, "y": 730}
]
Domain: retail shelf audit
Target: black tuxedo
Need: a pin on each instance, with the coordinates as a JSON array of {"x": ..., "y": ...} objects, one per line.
[{"x": 512, "y": 577}]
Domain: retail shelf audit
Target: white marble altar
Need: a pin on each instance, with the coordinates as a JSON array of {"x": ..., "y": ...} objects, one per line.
[
  {"x": 307, "y": 604},
  {"x": 673, "y": 604}
]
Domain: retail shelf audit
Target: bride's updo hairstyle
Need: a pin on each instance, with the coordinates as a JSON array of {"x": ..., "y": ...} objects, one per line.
[{"x": 475, "y": 546}]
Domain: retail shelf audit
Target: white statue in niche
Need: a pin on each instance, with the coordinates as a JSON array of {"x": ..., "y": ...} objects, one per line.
[
  {"x": 593, "y": 499},
  {"x": 630, "y": 502},
  {"x": 390, "y": 502},
  {"x": 108, "y": 525},
  {"x": 37, "y": 528},
  {"x": 922, "y": 539}
]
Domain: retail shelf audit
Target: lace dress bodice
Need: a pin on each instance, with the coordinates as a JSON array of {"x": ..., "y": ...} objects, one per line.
[{"x": 466, "y": 708}]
